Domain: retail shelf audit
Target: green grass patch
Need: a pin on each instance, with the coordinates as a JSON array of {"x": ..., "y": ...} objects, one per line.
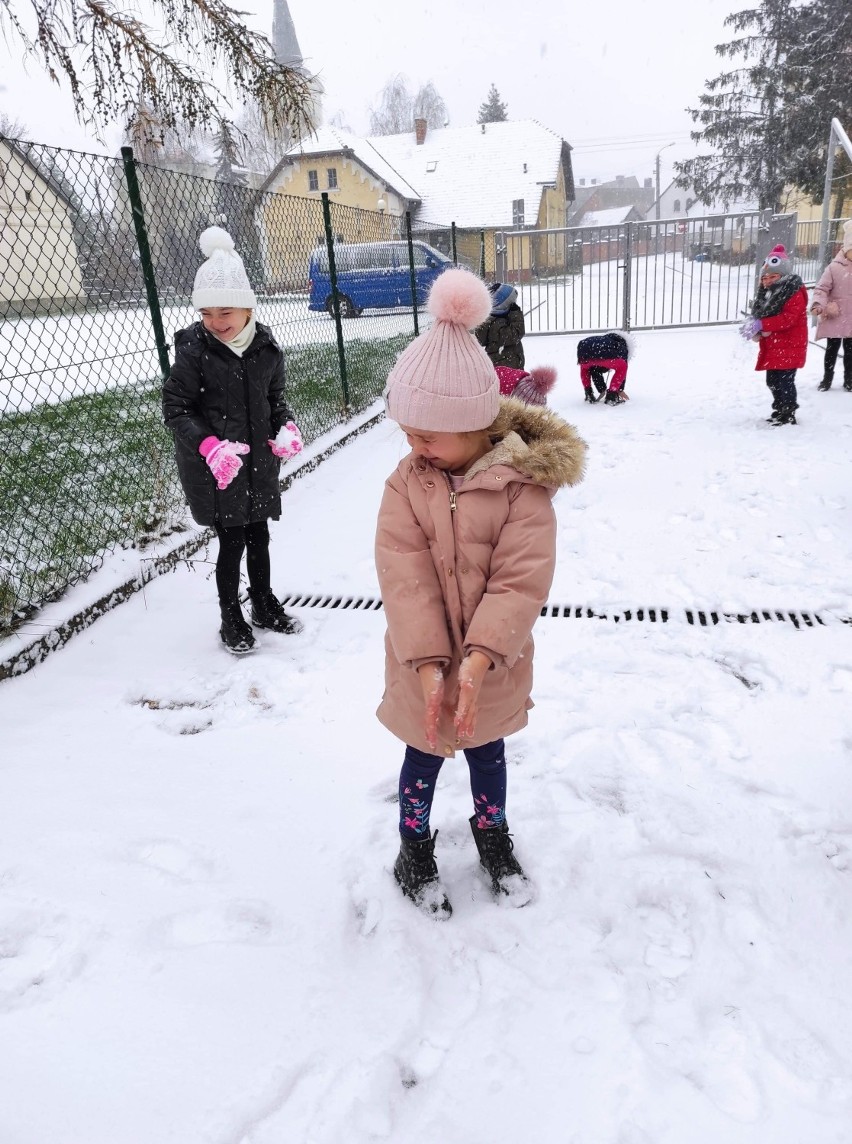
[{"x": 97, "y": 472}]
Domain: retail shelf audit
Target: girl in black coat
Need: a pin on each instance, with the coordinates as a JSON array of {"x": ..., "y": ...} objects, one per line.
[
  {"x": 502, "y": 334},
  {"x": 224, "y": 400}
]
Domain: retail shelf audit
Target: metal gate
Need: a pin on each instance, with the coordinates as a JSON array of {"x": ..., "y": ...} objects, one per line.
[{"x": 648, "y": 274}]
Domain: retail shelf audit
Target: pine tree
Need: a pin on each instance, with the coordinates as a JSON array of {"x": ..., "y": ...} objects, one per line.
[
  {"x": 747, "y": 113},
  {"x": 822, "y": 55},
  {"x": 228, "y": 162},
  {"x": 493, "y": 110}
]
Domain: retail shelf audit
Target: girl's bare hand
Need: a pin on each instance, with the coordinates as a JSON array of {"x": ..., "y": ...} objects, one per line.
[
  {"x": 432, "y": 682},
  {"x": 471, "y": 674}
]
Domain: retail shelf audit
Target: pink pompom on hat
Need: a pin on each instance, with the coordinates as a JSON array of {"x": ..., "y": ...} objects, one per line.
[
  {"x": 444, "y": 381},
  {"x": 777, "y": 262}
]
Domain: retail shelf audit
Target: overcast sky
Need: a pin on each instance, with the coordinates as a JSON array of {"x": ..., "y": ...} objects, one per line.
[{"x": 613, "y": 80}]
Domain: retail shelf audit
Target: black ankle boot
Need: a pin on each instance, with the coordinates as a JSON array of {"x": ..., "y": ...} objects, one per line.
[
  {"x": 784, "y": 416},
  {"x": 590, "y": 397},
  {"x": 826, "y": 382},
  {"x": 615, "y": 397},
  {"x": 416, "y": 872},
  {"x": 496, "y": 855},
  {"x": 235, "y": 632},
  {"x": 268, "y": 612}
]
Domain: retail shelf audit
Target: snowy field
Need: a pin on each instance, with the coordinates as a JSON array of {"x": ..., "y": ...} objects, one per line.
[
  {"x": 51, "y": 359},
  {"x": 200, "y": 938}
]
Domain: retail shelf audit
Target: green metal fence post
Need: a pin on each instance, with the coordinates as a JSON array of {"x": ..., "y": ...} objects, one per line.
[
  {"x": 482, "y": 254},
  {"x": 145, "y": 259},
  {"x": 335, "y": 298},
  {"x": 626, "y": 298},
  {"x": 453, "y": 240},
  {"x": 411, "y": 276}
]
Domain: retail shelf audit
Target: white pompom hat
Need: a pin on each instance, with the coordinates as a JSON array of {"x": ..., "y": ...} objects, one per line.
[
  {"x": 444, "y": 381},
  {"x": 222, "y": 279}
]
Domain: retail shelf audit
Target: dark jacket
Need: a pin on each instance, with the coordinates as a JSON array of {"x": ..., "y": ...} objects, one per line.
[
  {"x": 602, "y": 347},
  {"x": 211, "y": 391},
  {"x": 501, "y": 336}
]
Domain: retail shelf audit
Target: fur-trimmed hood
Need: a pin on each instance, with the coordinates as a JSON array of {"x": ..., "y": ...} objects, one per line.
[{"x": 536, "y": 443}]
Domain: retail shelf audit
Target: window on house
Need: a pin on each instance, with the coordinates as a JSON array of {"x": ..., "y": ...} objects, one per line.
[
  {"x": 332, "y": 178},
  {"x": 517, "y": 212},
  {"x": 690, "y": 203},
  {"x": 676, "y": 207},
  {"x": 313, "y": 181}
]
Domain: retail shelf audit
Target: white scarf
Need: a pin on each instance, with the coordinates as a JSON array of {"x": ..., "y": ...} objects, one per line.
[{"x": 243, "y": 340}]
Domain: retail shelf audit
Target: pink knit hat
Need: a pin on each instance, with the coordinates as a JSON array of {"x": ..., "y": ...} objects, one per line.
[{"x": 444, "y": 381}]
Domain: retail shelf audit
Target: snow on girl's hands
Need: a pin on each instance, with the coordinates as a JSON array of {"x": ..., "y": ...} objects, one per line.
[
  {"x": 471, "y": 674},
  {"x": 432, "y": 682},
  {"x": 288, "y": 441}
]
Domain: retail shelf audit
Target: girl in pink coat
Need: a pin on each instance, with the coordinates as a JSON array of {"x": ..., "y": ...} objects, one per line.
[
  {"x": 465, "y": 552},
  {"x": 833, "y": 305}
]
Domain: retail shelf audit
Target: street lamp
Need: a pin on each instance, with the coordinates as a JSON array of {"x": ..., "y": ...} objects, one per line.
[{"x": 657, "y": 170}]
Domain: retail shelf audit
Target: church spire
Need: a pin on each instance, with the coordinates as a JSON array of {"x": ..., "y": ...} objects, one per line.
[{"x": 284, "y": 39}]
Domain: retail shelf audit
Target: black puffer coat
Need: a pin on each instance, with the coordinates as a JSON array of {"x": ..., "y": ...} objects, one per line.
[
  {"x": 501, "y": 336},
  {"x": 211, "y": 391},
  {"x": 602, "y": 347}
]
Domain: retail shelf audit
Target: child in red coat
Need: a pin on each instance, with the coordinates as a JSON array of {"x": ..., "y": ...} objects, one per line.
[{"x": 779, "y": 323}]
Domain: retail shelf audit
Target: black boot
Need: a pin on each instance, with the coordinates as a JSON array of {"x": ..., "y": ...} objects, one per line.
[
  {"x": 268, "y": 612},
  {"x": 416, "y": 872},
  {"x": 590, "y": 397},
  {"x": 826, "y": 381},
  {"x": 235, "y": 632},
  {"x": 615, "y": 397},
  {"x": 786, "y": 415},
  {"x": 495, "y": 848}
]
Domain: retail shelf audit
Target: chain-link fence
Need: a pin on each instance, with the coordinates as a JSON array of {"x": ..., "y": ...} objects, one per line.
[{"x": 98, "y": 257}]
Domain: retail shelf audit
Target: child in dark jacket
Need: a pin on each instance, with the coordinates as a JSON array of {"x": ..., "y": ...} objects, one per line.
[
  {"x": 779, "y": 323},
  {"x": 598, "y": 355},
  {"x": 224, "y": 400},
  {"x": 501, "y": 333}
]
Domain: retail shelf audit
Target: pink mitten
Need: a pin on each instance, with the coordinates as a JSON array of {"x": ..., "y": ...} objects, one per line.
[
  {"x": 288, "y": 442},
  {"x": 223, "y": 458},
  {"x": 832, "y": 310}
]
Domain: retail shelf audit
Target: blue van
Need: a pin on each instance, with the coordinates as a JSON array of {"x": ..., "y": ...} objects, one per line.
[{"x": 373, "y": 275}]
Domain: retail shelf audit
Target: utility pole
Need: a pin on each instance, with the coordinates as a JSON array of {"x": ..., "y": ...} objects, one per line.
[{"x": 657, "y": 169}]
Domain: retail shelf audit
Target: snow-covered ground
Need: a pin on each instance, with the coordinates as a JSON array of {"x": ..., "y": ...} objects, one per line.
[{"x": 200, "y": 937}]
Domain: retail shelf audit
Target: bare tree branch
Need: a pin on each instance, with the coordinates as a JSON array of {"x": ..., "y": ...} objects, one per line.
[{"x": 113, "y": 61}]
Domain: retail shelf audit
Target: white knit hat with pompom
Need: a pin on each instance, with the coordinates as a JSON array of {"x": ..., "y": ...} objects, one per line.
[
  {"x": 847, "y": 236},
  {"x": 222, "y": 279},
  {"x": 444, "y": 381}
]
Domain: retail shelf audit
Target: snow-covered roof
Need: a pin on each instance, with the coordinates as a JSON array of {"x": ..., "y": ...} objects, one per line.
[
  {"x": 471, "y": 175},
  {"x": 612, "y": 217},
  {"x": 332, "y": 140}
]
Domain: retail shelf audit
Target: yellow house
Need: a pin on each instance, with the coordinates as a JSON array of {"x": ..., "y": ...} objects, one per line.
[
  {"x": 488, "y": 179},
  {"x": 39, "y": 260},
  {"x": 367, "y": 199}
]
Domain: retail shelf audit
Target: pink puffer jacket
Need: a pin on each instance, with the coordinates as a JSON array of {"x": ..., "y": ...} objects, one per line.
[
  {"x": 472, "y": 570},
  {"x": 834, "y": 289}
]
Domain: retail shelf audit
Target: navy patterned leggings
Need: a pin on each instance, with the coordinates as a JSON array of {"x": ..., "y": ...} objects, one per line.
[{"x": 417, "y": 787}]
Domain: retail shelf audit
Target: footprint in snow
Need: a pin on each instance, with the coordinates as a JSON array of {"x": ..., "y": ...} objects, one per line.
[
  {"x": 240, "y": 922},
  {"x": 172, "y": 858},
  {"x": 40, "y": 952}
]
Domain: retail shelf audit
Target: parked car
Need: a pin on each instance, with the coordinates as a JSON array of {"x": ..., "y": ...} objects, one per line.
[{"x": 373, "y": 275}]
